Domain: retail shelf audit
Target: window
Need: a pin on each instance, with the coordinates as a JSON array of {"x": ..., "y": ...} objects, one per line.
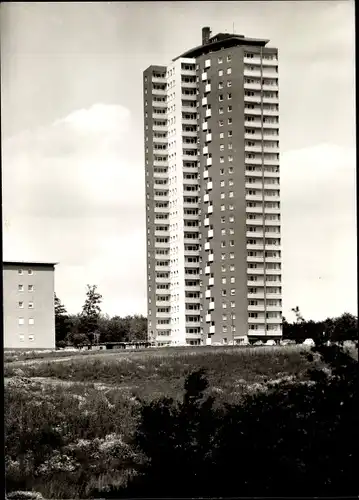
[
  {"x": 221, "y": 172},
  {"x": 221, "y": 135},
  {"x": 31, "y": 321},
  {"x": 21, "y": 305},
  {"x": 231, "y": 194},
  {"x": 223, "y": 244},
  {"x": 224, "y": 305},
  {"x": 220, "y": 60},
  {"x": 229, "y": 109},
  {"x": 220, "y": 123},
  {"x": 220, "y": 111},
  {"x": 229, "y": 96},
  {"x": 231, "y": 243},
  {"x": 20, "y": 288},
  {"x": 222, "y": 183},
  {"x": 231, "y": 207},
  {"x": 224, "y": 293},
  {"x": 223, "y": 256},
  {"x": 224, "y": 281},
  {"x": 229, "y": 121},
  {"x": 21, "y": 321},
  {"x": 223, "y": 208},
  {"x": 224, "y": 317},
  {"x": 229, "y": 71},
  {"x": 233, "y": 279},
  {"x": 21, "y": 338},
  {"x": 230, "y": 133},
  {"x": 232, "y": 268},
  {"x": 19, "y": 271},
  {"x": 223, "y": 268},
  {"x": 233, "y": 304},
  {"x": 221, "y": 147},
  {"x": 223, "y": 220},
  {"x": 229, "y": 58},
  {"x": 30, "y": 288},
  {"x": 231, "y": 218},
  {"x": 223, "y": 196},
  {"x": 231, "y": 230},
  {"x": 223, "y": 232},
  {"x": 230, "y": 182},
  {"x": 220, "y": 85},
  {"x": 221, "y": 159},
  {"x": 31, "y": 305},
  {"x": 230, "y": 170},
  {"x": 233, "y": 291},
  {"x": 220, "y": 72},
  {"x": 31, "y": 338},
  {"x": 231, "y": 255},
  {"x": 220, "y": 97}
]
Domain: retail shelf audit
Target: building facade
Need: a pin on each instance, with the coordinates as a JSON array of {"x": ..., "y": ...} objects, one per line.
[
  {"x": 29, "y": 313},
  {"x": 211, "y": 127}
]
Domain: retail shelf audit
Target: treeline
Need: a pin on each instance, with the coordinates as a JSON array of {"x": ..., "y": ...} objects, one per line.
[
  {"x": 91, "y": 326},
  {"x": 344, "y": 327}
]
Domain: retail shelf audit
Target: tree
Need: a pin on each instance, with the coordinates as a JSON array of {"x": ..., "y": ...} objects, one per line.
[
  {"x": 62, "y": 324},
  {"x": 298, "y": 314},
  {"x": 345, "y": 328},
  {"x": 91, "y": 311}
]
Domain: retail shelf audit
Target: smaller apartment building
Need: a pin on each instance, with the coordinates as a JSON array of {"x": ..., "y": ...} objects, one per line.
[{"x": 29, "y": 313}]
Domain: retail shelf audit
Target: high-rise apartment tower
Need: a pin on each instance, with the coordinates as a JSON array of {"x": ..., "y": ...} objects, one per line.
[{"x": 212, "y": 193}]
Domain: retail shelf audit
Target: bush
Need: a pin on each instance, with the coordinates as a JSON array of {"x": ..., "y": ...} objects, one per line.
[{"x": 300, "y": 437}]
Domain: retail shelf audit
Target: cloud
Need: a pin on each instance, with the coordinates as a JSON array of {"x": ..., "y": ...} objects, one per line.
[
  {"x": 74, "y": 193},
  {"x": 79, "y": 201},
  {"x": 319, "y": 230}
]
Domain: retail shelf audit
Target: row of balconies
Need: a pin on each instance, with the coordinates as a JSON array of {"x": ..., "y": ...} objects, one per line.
[{"x": 258, "y": 98}]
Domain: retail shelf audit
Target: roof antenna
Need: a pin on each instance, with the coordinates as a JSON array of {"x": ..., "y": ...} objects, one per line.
[{"x": 233, "y": 29}]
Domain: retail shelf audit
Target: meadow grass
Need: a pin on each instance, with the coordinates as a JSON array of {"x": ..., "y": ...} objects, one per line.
[{"x": 68, "y": 423}]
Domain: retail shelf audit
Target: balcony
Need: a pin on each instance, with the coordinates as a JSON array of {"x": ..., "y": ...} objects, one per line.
[
  {"x": 161, "y": 198},
  {"x": 273, "y": 247},
  {"x": 256, "y": 271},
  {"x": 254, "y": 222},
  {"x": 252, "y": 61},
  {"x": 254, "y": 234},
  {"x": 204, "y": 77},
  {"x": 253, "y": 149},
  {"x": 189, "y": 241},
  {"x": 161, "y": 163},
  {"x": 207, "y": 88},
  {"x": 275, "y": 198},
  {"x": 207, "y": 245},
  {"x": 270, "y": 62},
  {"x": 257, "y": 136},
  {"x": 255, "y": 210},
  {"x": 208, "y": 318},
  {"x": 209, "y": 185},
  {"x": 209, "y": 162},
  {"x": 211, "y": 281},
  {"x": 188, "y": 72},
  {"x": 274, "y": 308},
  {"x": 256, "y": 73},
  {"x": 254, "y": 197},
  {"x": 160, "y": 140},
  {"x": 210, "y": 209},
  {"x": 206, "y": 198},
  {"x": 208, "y": 294},
  {"x": 254, "y": 98},
  {"x": 156, "y": 79},
  {"x": 270, "y": 87},
  {"x": 189, "y": 85},
  {"x": 254, "y": 185},
  {"x": 207, "y": 270},
  {"x": 270, "y": 100},
  {"x": 162, "y": 280},
  {"x": 276, "y": 296},
  {"x": 251, "y": 258},
  {"x": 211, "y": 306},
  {"x": 252, "y": 86},
  {"x": 210, "y": 257},
  {"x": 272, "y": 210},
  {"x": 162, "y": 327},
  {"x": 207, "y": 63},
  {"x": 206, "y": 222},
  {"x": 192, "y": 288},
  {"x": 159, "y": 128},
  {"x": 253, "y": 124},
  {"x": 161, "y": 92},
  {"x": 204, "y": 126},
  {"x": 189, "y": 109},
  {"x": 270, "y": 112},
  {"x": 210, "y": 233},
  {"x": 258, "y": 295},
  {"x": 208, "y": 113},
  {"x": 159, "y": 104},
  {"x": 163, "y": 210},
  {"x": 272, "y": 223},
  {"x": 192, "y": 300},
  {"x": 212, "y": 329},
  {"x": 273, "y": 260},
  {"x": 253, "y": 161},
  {"x": 256, "y": 111},
  {"x": 256, "y": 321},
  {"x": 187, "y": 133},
  {"x": 274, "y": 321},
  {"x": 191, "y": 265},
  {"x": 205, "y": 174},
  {"x": 208, "y": 137},
  {"x": 163, "y": 315},
  {"x": 160, "y": 175},
  {"x": 205, "y": 150},
  {"x": 260, "y": 308},
  {"x": 257, "y": 246}
]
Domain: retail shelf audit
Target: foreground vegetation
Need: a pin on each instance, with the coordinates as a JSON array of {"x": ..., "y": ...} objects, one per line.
[{"x": 98, "y": 426}]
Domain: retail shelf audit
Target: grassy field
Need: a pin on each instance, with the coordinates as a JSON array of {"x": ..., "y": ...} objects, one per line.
[{"x": 86, "y": 406}]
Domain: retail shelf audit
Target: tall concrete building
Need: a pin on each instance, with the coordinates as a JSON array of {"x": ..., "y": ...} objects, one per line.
[
  {"x": 29, "y": 313},
  {"x": 212, "y": 193}
]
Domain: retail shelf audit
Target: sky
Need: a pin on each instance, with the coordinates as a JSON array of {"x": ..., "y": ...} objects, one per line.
[{"x": 73, "y": 179}]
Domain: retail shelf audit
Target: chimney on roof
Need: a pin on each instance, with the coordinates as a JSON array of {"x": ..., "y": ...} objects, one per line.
[{"x": 206, "y": 34}]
